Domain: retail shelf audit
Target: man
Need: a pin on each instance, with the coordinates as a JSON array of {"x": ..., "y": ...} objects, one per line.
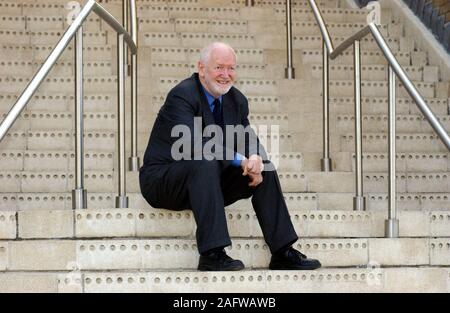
[{"x": 208, "y": 182}]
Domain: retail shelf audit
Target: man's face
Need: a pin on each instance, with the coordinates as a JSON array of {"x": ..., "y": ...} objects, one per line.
[{"x": 219, "y": 75}]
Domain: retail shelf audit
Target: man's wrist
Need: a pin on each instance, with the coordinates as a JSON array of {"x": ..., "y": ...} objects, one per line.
[{"x": 244, "y": 162}]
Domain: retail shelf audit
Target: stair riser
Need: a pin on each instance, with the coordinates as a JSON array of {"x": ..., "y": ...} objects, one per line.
[
  {"x": 405, "y": 163},
  {"x": 47, "y": 37},
  {"x": 367, "y": 73},
  {"x": 312, "y": 201},
  {"x": 183, "y": 254},
  {"x": 404, "y": 144},
  {"x": 311, "y": 182},
  {"x": 64, "y": 161},
  {"x": 347, "y": 59},
  {"x": 115, "y": 223},
  {"x": 334, "y": 281},
  {"x": 404, "y": 124}
]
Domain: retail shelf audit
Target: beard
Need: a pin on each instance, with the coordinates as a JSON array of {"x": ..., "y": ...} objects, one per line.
[{"x": 216, "y": 87}]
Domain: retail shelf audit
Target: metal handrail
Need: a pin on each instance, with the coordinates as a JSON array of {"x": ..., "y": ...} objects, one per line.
[
  {"x": 75, "y": 31},
  {"x": 134, "y": 162},
  {"x": 395, "y": 70}
]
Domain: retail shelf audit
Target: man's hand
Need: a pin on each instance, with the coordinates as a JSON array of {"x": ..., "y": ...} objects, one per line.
[
  {"x": 253, "y": 165},
  {"x": 253, "y": 168}
]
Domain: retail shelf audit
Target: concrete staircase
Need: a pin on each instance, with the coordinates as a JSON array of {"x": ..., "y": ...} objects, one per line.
[{"x": 47, "y": 247}]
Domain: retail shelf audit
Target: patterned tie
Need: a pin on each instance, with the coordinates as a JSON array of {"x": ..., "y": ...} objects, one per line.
[{"x": 217, "y": 113}]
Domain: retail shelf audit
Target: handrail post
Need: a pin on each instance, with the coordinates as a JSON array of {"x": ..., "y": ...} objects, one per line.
[
  {"x": 125, "y": 23},
  {"x": 326, "y": 162},
  {"x": 134, "y": 161},
  {"x": 392, "y": 224},
  {"x": 249, "y": 3},
  {"x": 121, "y": 199},
  {"x": 290, "y": 70},
  {"x": 359, "y": 202},
  {"x": 79, "y": 194}
]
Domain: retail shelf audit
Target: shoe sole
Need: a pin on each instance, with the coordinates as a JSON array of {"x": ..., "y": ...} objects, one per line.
[
  {"x": 206, "y": 269},
  {"x": 288, "y": 268}
]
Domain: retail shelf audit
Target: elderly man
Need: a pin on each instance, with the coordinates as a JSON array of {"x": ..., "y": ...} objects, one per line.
[{"x": 207, "y": 182}]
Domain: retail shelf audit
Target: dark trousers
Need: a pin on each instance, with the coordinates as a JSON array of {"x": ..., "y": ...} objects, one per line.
[{"x": 205, "y": 187}]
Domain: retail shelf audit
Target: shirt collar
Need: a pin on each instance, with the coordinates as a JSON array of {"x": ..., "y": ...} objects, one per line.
[{"x": 210, "y": 97}]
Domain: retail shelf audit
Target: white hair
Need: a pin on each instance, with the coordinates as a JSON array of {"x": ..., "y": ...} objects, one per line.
[{"x": 206, "y": 52}]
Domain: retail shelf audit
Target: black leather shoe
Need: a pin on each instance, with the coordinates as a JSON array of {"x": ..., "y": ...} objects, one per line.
[
  {"x": 292, "y": 260},
  {"x": 219, "y": 261}
]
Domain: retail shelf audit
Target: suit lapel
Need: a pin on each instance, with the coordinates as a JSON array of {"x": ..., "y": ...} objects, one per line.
[
  {"x": 208, "y": 118},
  {"x": 228, "y": 111}
]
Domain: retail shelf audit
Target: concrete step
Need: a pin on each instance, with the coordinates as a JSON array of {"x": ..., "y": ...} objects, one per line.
[
  {"x": 47, "y": 37},
  {"x": 314, "y": 41},
  {"x": 195, "y": 40},
  {"x": 43, "y": 120},
  {"x": 106, "y": 101},
  {"x": 61, "y": 140},
  {"x": 251, "y": 14},
  {"x": 232, "y": 3},
  {"x": 373, "y": 279},
  {"x": 29, "y": 68},
  {"x": 376, "y": 72},
  {"x": 250, "y": 87},
  {"x": 296, "y": 201},
  {"x": 414, "y": 142},
  {"x": 104, "y": 140},
  {"x": 55, "y": 160},
  {"x": 309, "y": 28},
  {"x": 345, "y": 88},
  {"x": 30, "y": 7},
  {"x": 33, "y": 22},
  {"x": 379, "y": 105},
  {"x": 242, "y": 223},
  {"x": 404, "y": 123},
  {"x": 406, "y": 162},
  {"x": 47, "y": 160},
  {"x": 298, "y": 4},
  {"x": 197, "y": 25},
  {"x": 19, "y": 52},
  {"x": 335, "y": 182},
  {"x": 59, "y": 84},
  {"x": 11, "y": 7},
  {"x": 182, "y": 254},
  {"x": 371, "y": 88},
  {"x": 301, "y": 201},
  {"x": 148, "y": 11},
  {"x": 314, "y": 56},
  {"x": 223, "y": 25},
  {"x": 63, "y": 102},
  {"x": 329, "y": 14}
]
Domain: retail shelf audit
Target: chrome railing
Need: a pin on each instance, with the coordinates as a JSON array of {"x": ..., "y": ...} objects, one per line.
[
  {"x": 75, "y": 31},
  {"x": 290, "y": 70},
  {"x": 395, "y": 70}
]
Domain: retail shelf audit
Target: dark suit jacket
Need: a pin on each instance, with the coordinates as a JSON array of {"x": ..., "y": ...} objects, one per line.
[{"x": 186, "y": 101}]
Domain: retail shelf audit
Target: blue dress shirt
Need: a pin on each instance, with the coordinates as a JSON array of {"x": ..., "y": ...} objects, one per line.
[{"x": 237, "y": 157}]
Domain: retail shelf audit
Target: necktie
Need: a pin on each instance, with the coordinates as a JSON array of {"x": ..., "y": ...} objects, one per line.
[{"x": 217, "y": 113}]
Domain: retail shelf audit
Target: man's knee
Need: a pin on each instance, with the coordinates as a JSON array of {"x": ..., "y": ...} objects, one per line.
[{"x": 210, "y": 168}]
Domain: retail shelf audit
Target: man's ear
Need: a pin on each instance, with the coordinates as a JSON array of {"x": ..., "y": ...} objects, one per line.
[{"x": 201, "y": 69}]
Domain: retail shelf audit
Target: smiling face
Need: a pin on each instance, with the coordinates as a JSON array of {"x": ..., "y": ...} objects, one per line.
[{"x": 217, "y": 71}]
